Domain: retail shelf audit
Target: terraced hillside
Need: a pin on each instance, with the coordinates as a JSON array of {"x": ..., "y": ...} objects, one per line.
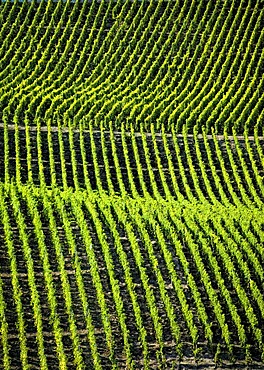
[{"x": 131, "y": 185}]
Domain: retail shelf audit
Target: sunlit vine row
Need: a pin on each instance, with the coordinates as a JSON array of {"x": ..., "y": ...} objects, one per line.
[
  {"x": 197, "y": 167},
  {"x": 141, "y": 63},
  {"x": 187, "y": 275}
]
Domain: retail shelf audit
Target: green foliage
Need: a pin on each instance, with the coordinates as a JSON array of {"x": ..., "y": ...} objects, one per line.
[
  {"x": 158, "y": 64},
  {"x": 131, "y": 183}
]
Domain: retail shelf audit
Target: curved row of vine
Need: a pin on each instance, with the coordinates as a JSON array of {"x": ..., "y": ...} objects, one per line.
[{"x": 129, "y": 62}]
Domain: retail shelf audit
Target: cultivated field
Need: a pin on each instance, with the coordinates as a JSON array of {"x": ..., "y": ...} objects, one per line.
[{"x": 131, "y": 185}]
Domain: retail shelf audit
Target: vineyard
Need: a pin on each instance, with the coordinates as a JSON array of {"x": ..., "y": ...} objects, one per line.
[{"x": 131, "y": 185}]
